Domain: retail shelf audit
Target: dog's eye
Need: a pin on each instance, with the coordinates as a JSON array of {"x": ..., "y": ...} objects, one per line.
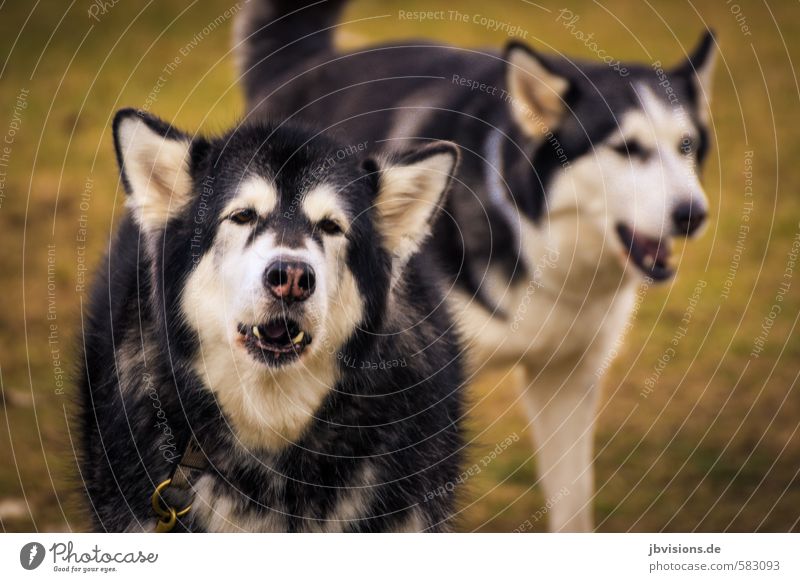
[
  {"x": 633, "y": 149},
  {"x": 244, "y": 216},
  {"x": 688, "y": 145},
  {"x": 329, "y": 226}
]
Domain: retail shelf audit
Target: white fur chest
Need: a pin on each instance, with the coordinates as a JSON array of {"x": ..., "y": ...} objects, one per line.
[{"x": 572, "y": 308}]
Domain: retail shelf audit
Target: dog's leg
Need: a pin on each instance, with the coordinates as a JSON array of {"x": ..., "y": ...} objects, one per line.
[{"x": 562, "y": 411}]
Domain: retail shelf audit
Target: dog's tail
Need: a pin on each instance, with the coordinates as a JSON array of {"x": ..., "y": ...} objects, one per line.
[{"x": 273, "y": 36}]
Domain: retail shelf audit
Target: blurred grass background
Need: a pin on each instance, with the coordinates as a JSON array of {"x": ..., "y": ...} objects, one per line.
[{"x": 713, "y": 447}]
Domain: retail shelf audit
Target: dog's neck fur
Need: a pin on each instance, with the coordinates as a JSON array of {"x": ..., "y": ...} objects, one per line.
[
  {"x": 570, "y": 274},
  {"x": 570, "y": 226}
]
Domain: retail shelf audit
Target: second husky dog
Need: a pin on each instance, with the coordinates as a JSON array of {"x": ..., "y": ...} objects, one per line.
[
  {"x": 576, "y": 178},
  {"x": 264, "y": 345}
]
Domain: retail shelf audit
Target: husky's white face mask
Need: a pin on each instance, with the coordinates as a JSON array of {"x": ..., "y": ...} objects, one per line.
[
  {"x": 289, "y": 243},
  {"x": 620, "y": 155}
]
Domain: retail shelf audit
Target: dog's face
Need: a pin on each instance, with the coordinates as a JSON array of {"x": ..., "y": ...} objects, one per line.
[
  {"x": 278, "y": 269},
  {"x": 624, "y": 152},
  {"x": 284, "y": 243}
]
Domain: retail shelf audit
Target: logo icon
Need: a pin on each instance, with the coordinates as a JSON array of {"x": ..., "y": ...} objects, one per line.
[{"x": 31, "y": 555}]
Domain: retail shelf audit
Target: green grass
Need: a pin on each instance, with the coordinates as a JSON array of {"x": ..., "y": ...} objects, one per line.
[{"x": 714, "y": 447}]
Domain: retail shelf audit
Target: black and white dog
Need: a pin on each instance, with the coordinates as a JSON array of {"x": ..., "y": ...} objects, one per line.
[
  {"x": 264, "y": 296},
  {"x": 575, "y": 179}
]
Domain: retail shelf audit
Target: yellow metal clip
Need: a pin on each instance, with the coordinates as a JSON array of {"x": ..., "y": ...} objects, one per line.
[
  {"x": 168, "y": 516},
  {"x": 165, "y": 525}
]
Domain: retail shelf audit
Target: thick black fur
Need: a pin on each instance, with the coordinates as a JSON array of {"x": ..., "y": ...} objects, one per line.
[{"x": 402, "y": 422}]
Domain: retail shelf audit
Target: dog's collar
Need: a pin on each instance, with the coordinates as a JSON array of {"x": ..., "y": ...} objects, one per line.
[
  {"x": 173, "y": 497},
  {"x": 498, "y": 192}
]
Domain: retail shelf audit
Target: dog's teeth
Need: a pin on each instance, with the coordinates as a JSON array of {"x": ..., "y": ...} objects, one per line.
[
  {"x": 299, "y": 337},
  {"x": 256, "y": 332},
  {"x": 648, "y": 261}
]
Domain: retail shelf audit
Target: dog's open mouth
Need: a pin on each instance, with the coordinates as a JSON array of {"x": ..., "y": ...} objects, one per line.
[
  {"x": 276, "y": 341},
  {"x": 651, "y": 255}
]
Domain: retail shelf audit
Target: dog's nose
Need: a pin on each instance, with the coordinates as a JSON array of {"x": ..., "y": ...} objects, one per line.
[
  {"x": 688, "y": 217},
  {"x": 290, "y": 281}
]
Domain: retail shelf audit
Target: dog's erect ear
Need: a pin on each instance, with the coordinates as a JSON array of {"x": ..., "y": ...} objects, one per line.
[
  {"x": 699, "y": 68},
  {"x": 154, "y": 162},
  {"x": 411, "y": 191},
  {"x": 537, "y": 93}
]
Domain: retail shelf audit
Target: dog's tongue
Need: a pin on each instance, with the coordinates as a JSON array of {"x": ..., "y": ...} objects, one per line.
[{"x": 274, "y": 330}]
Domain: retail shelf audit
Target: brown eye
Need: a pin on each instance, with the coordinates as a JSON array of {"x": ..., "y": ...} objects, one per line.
[
  {"x": 244, "y": 216},
  {"x": 329, "y": 227},
  {"x": 688, "y": 145}
]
